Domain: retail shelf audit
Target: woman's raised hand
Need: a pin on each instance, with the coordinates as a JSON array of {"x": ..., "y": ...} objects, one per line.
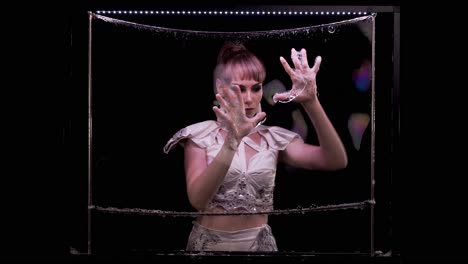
[
  {"x": 304, "y": 86},
  {"x": 232, "y": 115}
]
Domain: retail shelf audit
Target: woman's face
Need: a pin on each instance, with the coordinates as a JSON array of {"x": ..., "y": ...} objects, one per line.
[{"x": 252, "y": 93}]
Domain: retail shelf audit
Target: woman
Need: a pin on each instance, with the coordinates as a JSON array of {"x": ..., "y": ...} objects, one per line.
[{"x": 230, "y": 163}]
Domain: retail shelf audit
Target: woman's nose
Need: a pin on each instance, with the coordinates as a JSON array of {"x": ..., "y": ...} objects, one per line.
[{"x": 247, "y": 96}]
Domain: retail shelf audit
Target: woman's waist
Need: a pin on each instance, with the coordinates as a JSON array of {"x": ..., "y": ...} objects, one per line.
[
  {"x": 231, "y": 222},
  {"x": 240, "y": 202}
]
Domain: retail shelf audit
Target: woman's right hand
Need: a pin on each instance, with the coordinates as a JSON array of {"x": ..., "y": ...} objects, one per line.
[{"x": 231, "y": 113}]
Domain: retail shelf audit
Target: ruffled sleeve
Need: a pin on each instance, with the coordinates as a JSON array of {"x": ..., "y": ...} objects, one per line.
[
  {"x": 278, "y": 137},
  {"x": 202, "y": 134}
]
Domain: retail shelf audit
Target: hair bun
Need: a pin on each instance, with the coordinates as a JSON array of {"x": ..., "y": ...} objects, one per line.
[{"x": 229, "y": 50}]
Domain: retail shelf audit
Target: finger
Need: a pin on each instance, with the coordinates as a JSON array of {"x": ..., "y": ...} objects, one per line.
[
  {"x": 286, "y": 66},
  {"x": 305, "y": 62},
  {"x": 281, "y": 96},
  {"x": 231, "y": 98},
  {"x": 295, "y": 58},
  {"x": 259, "y": 117},
  {"x": 223, "y": 103},
  {"x": 318, "y": 61},
  {"x": 228, "y": 94},
  {"x": 219, "y": 113},
  {"x": 237, "y": 92}
]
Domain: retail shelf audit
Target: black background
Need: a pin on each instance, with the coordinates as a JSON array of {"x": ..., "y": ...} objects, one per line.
[{"x": 39, "y": 196}]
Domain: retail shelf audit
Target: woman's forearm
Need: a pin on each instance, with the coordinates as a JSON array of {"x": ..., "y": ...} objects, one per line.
[
  {"x": 330, "y": 143},
  {"x": 202, "y": 189}
]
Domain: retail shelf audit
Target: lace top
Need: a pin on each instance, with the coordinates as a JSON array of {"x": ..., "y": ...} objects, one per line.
[{"x": 250, "y": 188}]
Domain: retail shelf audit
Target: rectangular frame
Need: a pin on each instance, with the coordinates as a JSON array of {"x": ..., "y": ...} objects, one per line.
[{"x": 392, "y": 113}]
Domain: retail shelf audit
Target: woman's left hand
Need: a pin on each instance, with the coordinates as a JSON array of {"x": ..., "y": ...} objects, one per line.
[{"x": 304, "y": 85}]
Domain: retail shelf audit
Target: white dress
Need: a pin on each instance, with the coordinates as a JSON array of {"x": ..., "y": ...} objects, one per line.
[{"x": 244, "y": 187}]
